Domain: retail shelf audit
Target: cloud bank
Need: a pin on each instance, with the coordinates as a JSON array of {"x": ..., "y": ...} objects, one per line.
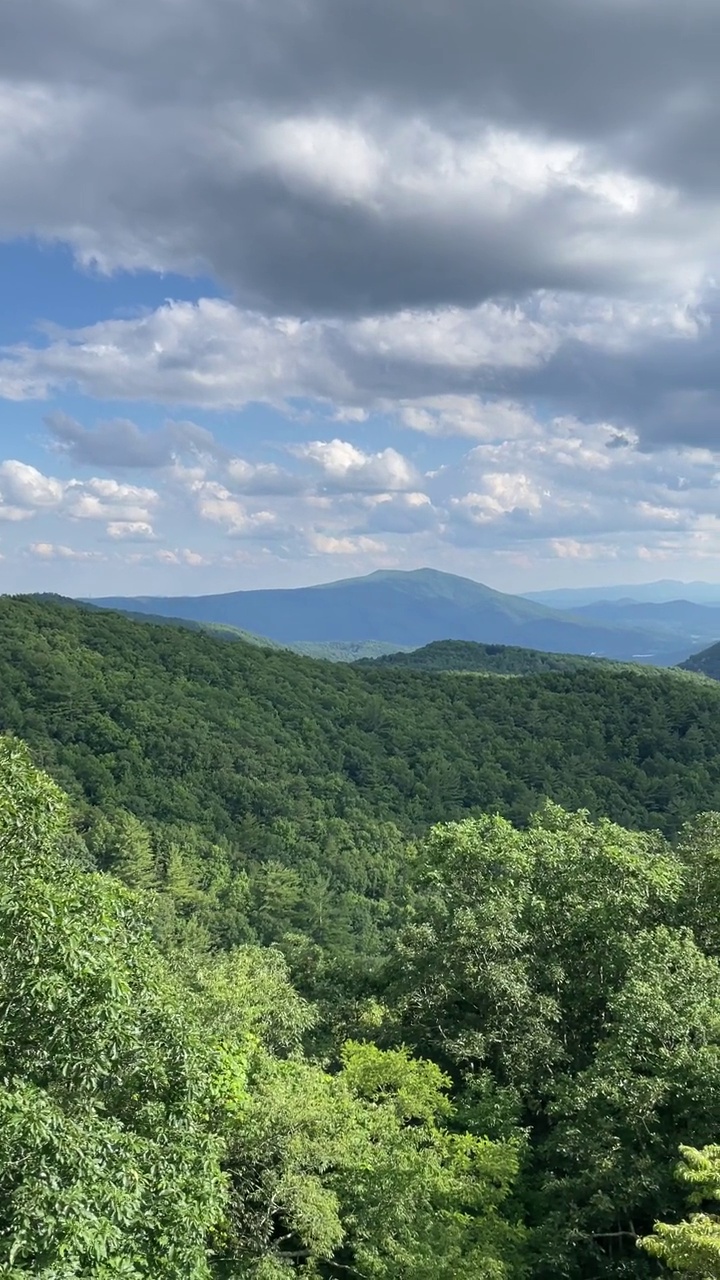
[{"x": 470, "y": 252}]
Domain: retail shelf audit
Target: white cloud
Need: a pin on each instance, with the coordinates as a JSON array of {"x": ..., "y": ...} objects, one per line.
[
  {"x": 54, "y": 551},
  {"x": 130, "y": 531},
  {"x": 261, "y": 478},
  {"x": 345, "y": 467},
  {"x": 14, "y": 514},
  {"x": 572, "y": 549},
  {"x": 218, "y": 505},
  {"x": 121, "y": 443},
  {"x": 328, "y": 545},
  {"x": 108, "y": 499},
  {"x": 25, "y": 486},
  {"x": 454, "y": 415},
  {"x": 214, "y": 355},
  {"x": 503, "y": 493}
]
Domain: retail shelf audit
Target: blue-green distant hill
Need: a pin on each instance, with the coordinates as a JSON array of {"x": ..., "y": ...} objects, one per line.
[{"x": 409, "y": 609}]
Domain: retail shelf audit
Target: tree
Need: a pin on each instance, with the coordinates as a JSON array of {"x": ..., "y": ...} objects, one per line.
[
  {"x": 122, "y": 845},
  {"x": 356, "y": 1172},
  {"x": 538, "y": 969},
  {"x": 107, "y": 1168},
  {"x": 692, "y": 1248}
]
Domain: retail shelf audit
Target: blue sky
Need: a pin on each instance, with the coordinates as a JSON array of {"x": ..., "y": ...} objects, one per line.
[{"x": 285, "y": 297}]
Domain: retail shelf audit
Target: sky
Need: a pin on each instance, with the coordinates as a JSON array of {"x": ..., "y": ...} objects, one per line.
[{"x": 293, "y": 290}]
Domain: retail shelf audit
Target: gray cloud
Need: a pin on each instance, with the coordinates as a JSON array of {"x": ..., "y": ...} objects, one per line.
[
  {"x": 122, "y": 444},
  {"x": 342, "y": 158},
  {"x": 664, "y": 389}
]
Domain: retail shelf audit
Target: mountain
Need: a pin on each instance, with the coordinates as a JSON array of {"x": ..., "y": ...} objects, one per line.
[
  {"x": 407, "y": 609},
  {"x": 219, "y": 630},
  {"x": 667, "y": 589}
]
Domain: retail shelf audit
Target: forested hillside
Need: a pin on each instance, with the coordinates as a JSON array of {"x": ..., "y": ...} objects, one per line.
[
  {"x": 314, "y": 771},
  {"x": 706, "y": 663},
  {"x": 339, "y": 651},
  {"x": 262, "y": 1017},
  {"x": 499, "y": 659}
]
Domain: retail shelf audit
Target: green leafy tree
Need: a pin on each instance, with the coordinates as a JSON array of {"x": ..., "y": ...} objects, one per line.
[
  {"x": 538, "y": 969},
  {"x": 123, "y": 845},
  {"x": 355, "y": 1172},
  {"x": 106, "y": 1082},
  {"x": 692, "y": 1248}
]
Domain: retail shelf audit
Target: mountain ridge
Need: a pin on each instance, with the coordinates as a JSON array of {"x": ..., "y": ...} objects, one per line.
[
  {"x": 661, "y": 591},
  {"x": 407, "y": 609}
]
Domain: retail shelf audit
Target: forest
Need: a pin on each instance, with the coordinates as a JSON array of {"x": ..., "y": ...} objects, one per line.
[{"x": 363, "y": 971}]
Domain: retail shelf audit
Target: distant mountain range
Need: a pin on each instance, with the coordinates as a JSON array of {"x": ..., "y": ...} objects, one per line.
[
  {"x": 400, "y": 609},
  {"x": 667, "y": 589},
  {"x": 684, "y": 622}
]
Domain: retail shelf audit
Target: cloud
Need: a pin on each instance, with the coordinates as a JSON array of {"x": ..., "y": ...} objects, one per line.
[
  {"x": 504, "y": 493},
  {"x": 130, "y": 531},
  {"x": 475, "y": 373},
  {"x": 487, "y": 248},
  {"x": 321, "y": 160},
  {"x": 26, "y": 492},
  {"x": 216, "y": 504},
  {"x": 344, "y": 467},
  {"x": 109, "y": 499},
  {"x": 327, "y": 545},
  {"x": 25, "y": 486},
  {"x": 572, "y": 549},
  {"x": 122, "y": 444},
  {"x": 53, "y": 551},
  {"x": 471, "y": 416},
  {"x": 212, "y": 354},
  {"x": 170, "y": 556},
  {"x": 261, "y": 478},
  {"x": 399, "y": 513}
]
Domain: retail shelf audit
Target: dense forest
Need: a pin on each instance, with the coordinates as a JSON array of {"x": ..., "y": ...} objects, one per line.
[{"x": 351, "y": 971}]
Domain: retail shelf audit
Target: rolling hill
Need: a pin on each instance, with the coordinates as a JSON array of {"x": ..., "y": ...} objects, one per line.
[
  {"x": 408, "y": 609},
  {"x": 705, "y": 663},
  {"x": 498, "y": 659}
]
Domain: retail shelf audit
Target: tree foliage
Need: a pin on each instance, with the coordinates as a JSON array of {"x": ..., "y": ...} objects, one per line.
[
  {"x": 692, "y": 1247},
  {"x": 106, "y": 1165}
]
